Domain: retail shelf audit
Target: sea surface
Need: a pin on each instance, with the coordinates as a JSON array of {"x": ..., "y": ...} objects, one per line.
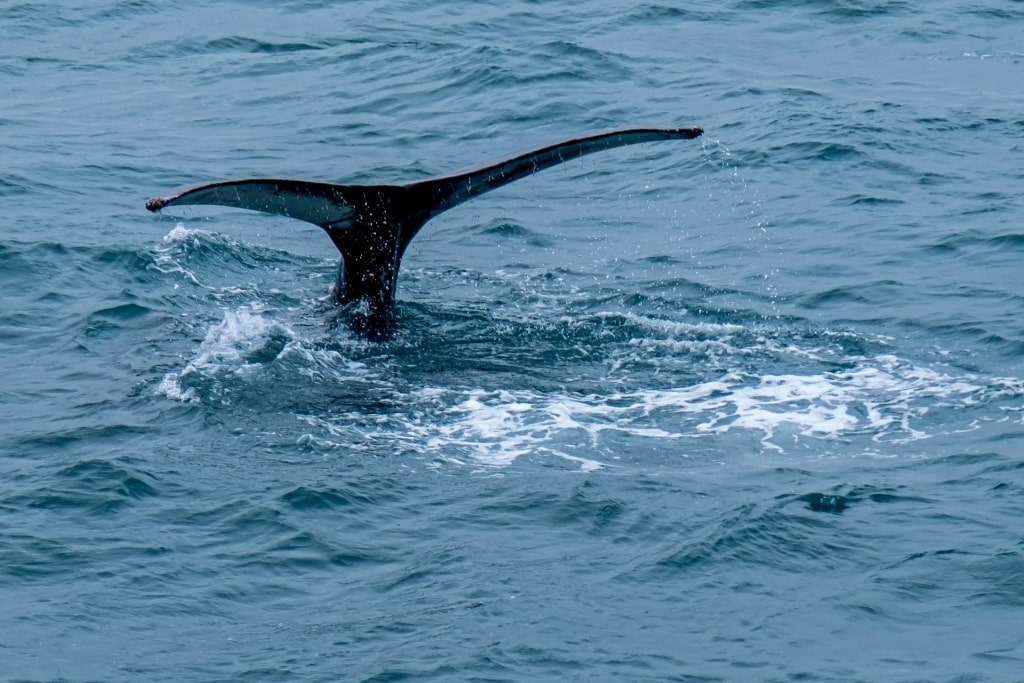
[{"x": 742, "y": 408}]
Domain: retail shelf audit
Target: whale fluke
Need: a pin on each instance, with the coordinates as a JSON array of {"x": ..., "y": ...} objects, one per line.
[{"x": 371, "y": 225}]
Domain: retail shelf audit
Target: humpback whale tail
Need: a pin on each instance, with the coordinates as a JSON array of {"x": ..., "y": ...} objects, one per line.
[{"x": 371, "y": 225}]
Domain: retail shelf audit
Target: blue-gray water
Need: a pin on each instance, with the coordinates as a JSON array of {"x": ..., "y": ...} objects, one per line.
[{"x": 749, "y": 407}]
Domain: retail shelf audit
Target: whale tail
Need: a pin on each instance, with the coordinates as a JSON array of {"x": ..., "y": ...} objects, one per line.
[{"x": 371, "y": 225}]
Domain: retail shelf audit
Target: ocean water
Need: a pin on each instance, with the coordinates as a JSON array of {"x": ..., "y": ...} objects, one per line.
[{"x": 743, "y": 408}]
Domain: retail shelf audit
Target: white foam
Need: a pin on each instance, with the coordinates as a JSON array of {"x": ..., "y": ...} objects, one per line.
[
  {"x": 880, "y": 401},
  {"x": 236, "y": 333},
  {"x": 223, "y": 349},
  {"x": 179, "y": 234},
  {"x": 676, "y": 329},
  {"x": 495, "y": 428},
  {"x": 166, "y": 261},
  {"x": 170, "y": 386}
]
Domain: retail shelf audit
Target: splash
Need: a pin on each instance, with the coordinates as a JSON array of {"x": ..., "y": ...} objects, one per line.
[{"x": 239, "y": 344}]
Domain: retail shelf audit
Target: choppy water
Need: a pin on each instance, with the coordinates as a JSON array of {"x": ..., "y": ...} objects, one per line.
[{"x": 743, "y": 408}]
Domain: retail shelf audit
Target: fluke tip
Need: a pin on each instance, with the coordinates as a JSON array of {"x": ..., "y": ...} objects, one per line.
[{"x": 156, "y": 203}]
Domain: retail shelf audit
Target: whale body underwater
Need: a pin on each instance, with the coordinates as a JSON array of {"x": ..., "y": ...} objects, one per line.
[{"x": 372, "y": 225}]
